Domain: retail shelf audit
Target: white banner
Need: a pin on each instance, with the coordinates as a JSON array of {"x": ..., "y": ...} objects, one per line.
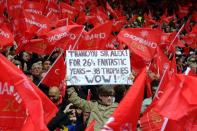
[{"x": 98, "y": 67}]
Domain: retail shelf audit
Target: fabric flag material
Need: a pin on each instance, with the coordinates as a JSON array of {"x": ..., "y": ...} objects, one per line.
[
  {"x": 109, "y": 8},
  {"x": 64, "y": 36},
  {"x": 126, "y": 115},
  {"x": 14, "y": 8},
  {"x": 141, "y": 41},
  {"x": 183, "y": 11},
  {"x": 162, "y": 61},
  {"x": 34, "y": 7},
  {"x": 56, "y": 74},
  {"x": 68, "y": 11},
  {"x": 151, "y": 121},
  {"x": 179, "y": 99},
  {"x": 19, "y": 94},
  {"x": 36, "y": 23},
  {"x": 91, "y": 126},
  {"x": 39, "y": 46},
  {"x": 96, "y": 38},
  {"x": 191, "y": 39},
  {"x": 6, "y": 37}
]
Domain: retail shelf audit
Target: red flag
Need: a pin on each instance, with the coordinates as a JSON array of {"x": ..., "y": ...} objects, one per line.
[
  {"x": 95, "y": 39},
  {"x": 183, "y": 11},
  {"x": 109, "y": 8},
  {"x": 142, "y": 42},
  {"x": 91, "y": 126},
  {"x": 162, "y": 61},
  {"x": 151, "y": 121},
  {"x": 89, "y": 95},
  {"x": 34, "y": 7},
  {"x": 68, "y": 11},
  {"x": 52, "y": 7},
  {"x": 64, "y": 36},
  {"x": 166, "y": 18},
  {"x": 56, "y": 73},
  {"x": 2, "y": 7},
  {"x": 118, "y": 24},
  {"x": 18, "y": 93},
  {"x": 180, "y": 96},
  {"x": 126, "y": 115},
  {"x": 78, "y": 5},
  {"x": 38, "y": 46},
  {"x": 194, "y": 16},
  {"x": 6, "y": 37},
  {"x": 82, "y": 19},
  {"x": 101, "y": 16},
  {"x": 14, "y": 8},
  {"x": 191, "y": 39},
  {"x": 112, "y": 43},
  {"x": 36, "y": 23}
]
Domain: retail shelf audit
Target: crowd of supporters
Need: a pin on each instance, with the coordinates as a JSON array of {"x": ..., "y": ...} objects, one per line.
[{"x": 75, "y": 110}]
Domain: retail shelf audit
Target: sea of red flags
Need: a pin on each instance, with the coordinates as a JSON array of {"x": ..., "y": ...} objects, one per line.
[
  {"x": 24, "y": 106},
  {"x": 40, "y": 26}
]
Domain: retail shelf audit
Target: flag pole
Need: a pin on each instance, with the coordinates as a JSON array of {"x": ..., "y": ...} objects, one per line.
[
  {"x": 175, "y": 37},
  {"x": 165, "y": 70},
  {"x": 50, "y": 67},
  {"x": 51, "y": 54},
  {"x": 165, "y": 118},
  {"x": 78, "y": 38}
]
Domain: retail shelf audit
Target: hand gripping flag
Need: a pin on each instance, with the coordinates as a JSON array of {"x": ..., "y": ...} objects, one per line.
[{"x": 126, "y": 115}]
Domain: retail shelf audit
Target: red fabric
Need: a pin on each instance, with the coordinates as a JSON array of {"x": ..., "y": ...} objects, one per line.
[
  {"x": 6, "y": 37},
  {"x": 118, "y": 24},
  {"x": 194, "y": 16},
  {"x": 36, "y": 23},
  {"x": 183, "y": 11},
  {"x": 137, "y": 63},
  {"x": 14, "y": 8},
  {"x": 16, "y": 84},
  {"x": 68, "y": 11},
  {"x": 34, "y": 7},
  {"x": 56, "y": 73},
  {"x": 64, "y": 36},
  {"x": 96, "y": 38},
  {"x": 167, "y": 38},
  {"x": 126, "y": 115},
  {"x": 78, "y": 5},
  {"x": 141, "y": 41},
  {"x": 101, "y": 16},
  {"x": 89, "y": 95},
  {"x": 180, "y": 96},
  {"x": 151, "y": 121},
  {"x": 38, "y": 46},
  {"x": 90, "y": 127},
  {"x": 2, "y": 7},
  {"x": 166, "y": 18},
  {"x": 52, "y": 7},
  {"x": 162, "y": 61},
  {"x": 191, "y": 39},
  {"x": 148, "y": 88},
  {"x": 112, "y": 43},
  {"x": 109, "y": 8}
]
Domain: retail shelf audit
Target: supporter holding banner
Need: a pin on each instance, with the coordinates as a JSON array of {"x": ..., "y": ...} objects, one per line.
[{"x": 88, "y": 67}]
